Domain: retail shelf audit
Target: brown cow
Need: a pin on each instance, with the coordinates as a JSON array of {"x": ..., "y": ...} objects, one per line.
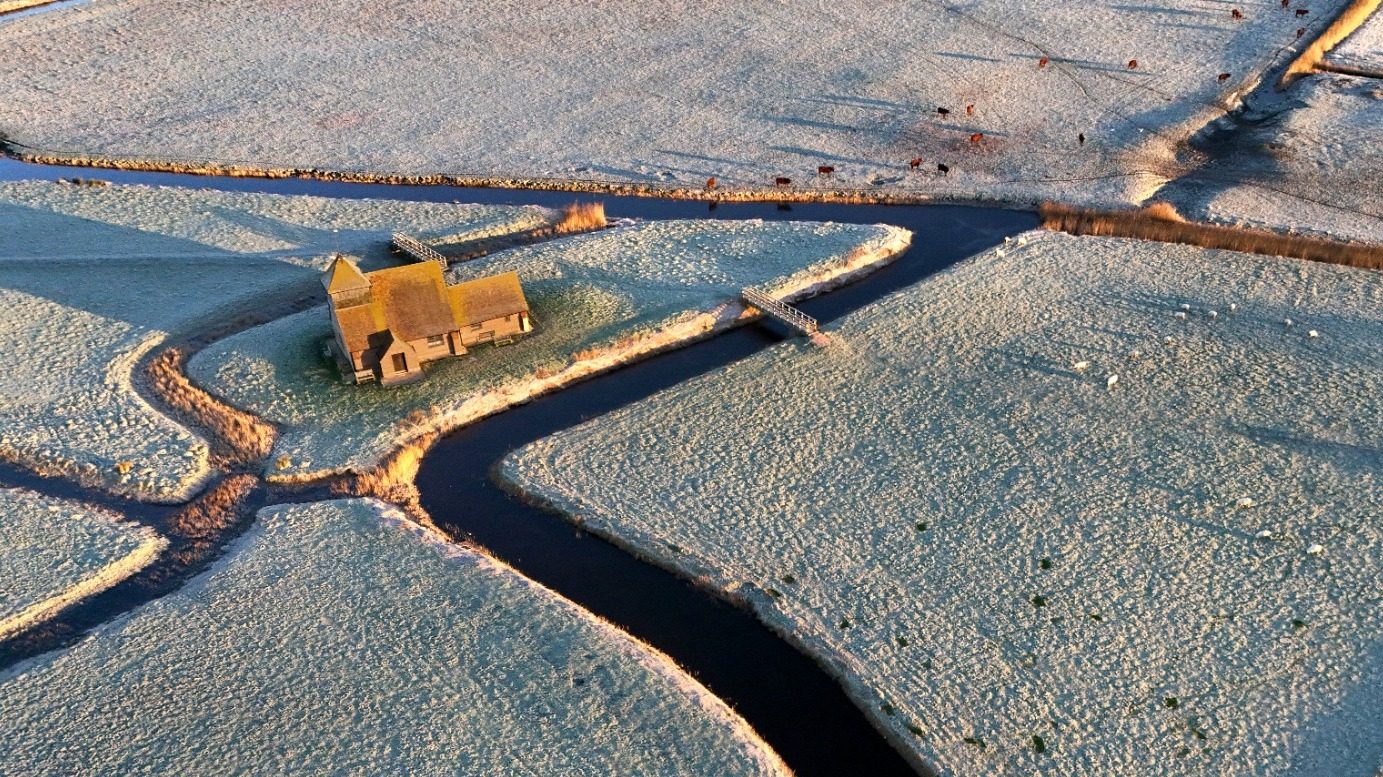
[
  {"x": 1223, "y": 77},
  {"x": 1302, "y": 12},
  {"x": 1041, "y": 63},
  {"x": 943, "y": 169},
  {"x": 1235, "y": 13},
  {"x": 915, "y": 162},
  {"x": 1080, "y": 138},
  {"x": 970, "y": 109},
  {"x": 1133, "y": 64},
  {"x": 943, "y": 111},
  {"x": 825, "y": 170},
  {"x": 711, "y": 183},
  {"x": 1286, "y": 3},
  {"x": 1301, "y": 31},
  {"x": 781, "y": 181},
  {"x": 976, "y": 137}
]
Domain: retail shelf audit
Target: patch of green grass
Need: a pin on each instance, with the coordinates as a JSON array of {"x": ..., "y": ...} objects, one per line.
[
  {"x": 902, "y": 641},
  {"x": 844, "y": 624},
  {"x": 1298, "y": 623},
  {"x": 915, "y": 730},
  {"x": 789, "y": 579},
  {"x": 1039, "y": 600},
  {"x": 1045, "y": 563},
  {"x": 976, "y": 741},
  {"x": 1171, "y": 702},
  {"x": 920, "y": 526},
  {"x": 888, "y": 709},
  {"x": 1038, "y": 745}
]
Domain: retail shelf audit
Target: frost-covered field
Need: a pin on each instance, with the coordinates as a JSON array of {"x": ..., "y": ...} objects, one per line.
[
  {"x": 92, "y": 278},
  {"x": 54, "y": 553},
  {"x": 1363, "y": 49},
  {"x": 597, "y": 300},
  {"x": 1314, "y": 164},
  {"x": 337, "y": 638},
  {"x": 1016, "y": 568},
  {"x": 650, "y": 91}
]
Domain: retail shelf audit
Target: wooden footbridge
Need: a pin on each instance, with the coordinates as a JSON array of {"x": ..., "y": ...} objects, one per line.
[
  {"x": 781, "y": 311},
  {"x": 418, "y": 249}
]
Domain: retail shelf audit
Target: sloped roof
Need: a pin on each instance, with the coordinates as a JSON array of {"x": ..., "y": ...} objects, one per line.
[
  {"x": 488, "y": 298},
  {"x": 413, "y": 300},
  {"x": 358, "y": 324},
  {"x": 343, "y": 275}
]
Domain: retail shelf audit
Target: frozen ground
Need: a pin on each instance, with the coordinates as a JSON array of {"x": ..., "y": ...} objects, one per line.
[
  {"x": 338, "y": 635},
  {"x": 1363, "y": 49},
  {"x": 597, "y": 300},
  {"x": 91, "y": 278},
  {"x": 1308, "y": 160},
  {"x": 1017, "y": 569},
  {"x": 54, "y": 553},
  {"x": 648, "y": 92}
]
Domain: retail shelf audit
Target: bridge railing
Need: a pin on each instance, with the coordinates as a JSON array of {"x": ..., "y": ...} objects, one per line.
[
  {"x": 418, "y": 249},
  {"x": 781, "y": 311}
]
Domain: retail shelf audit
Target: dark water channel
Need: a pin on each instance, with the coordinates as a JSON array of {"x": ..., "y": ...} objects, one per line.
[{"x": 798, "y": 708}]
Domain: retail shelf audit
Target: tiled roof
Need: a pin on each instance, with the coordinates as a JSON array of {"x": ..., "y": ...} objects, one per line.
[
  {"x": 413, "y": 299},
  {"x": 488, "y": 298},
  {"x": 343, "y": 275}
]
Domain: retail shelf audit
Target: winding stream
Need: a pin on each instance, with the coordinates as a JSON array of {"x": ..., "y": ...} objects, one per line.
[{"x": 798, "y": 708}]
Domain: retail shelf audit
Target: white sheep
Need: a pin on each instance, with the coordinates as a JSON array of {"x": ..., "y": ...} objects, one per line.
[
  {"x": 1213, "y": 315},
  {"x": 1135, "y": 355},
  {"x": 1081, "y": 366},
  {"x": 1315, "y": 549},
  {"x": 1286, "y": 322},
  {"x": 1313, "y": 334},
  {"x": 1265, "y": 534},
  {"x": 1181, "y": 314},
  {"x": 1110, "y": 381},
  {"x": 1233, "y": 307},
  {"x": 1245, "y": 502}
]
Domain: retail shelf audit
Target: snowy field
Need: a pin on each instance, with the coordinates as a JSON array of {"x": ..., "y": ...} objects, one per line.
[
  {"x": 1310, "y": 162},
  {"x": 648, "y": 92},
  {"x": 54, "y": 553},
  {"x": 1016, "y": 568},
  {"x": 597, "y": 300},
  {"x": 338, "y": 635},
  {"x": 1363, "y": 49},
  {"x": 92, "y": 278}
]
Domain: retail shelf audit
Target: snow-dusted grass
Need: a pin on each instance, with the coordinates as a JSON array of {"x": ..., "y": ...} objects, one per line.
[
  {"x": 1363, "y": 49},
  {"x": 648, "y": 92},
  {"x": 1016, "y": 569},
  {"x": 337, "y": 638},
  {"x": 1313, "y": 164},
  {"x": 54, "y": 553},
  {"x": 92, "y": 278},
  {"x": 597, "y": 299}
]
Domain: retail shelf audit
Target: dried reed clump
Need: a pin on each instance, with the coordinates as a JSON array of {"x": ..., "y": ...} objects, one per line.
[
  {"x": 1162, "y": 224},
  {"x": 392, "y": 480},
  {"x": 217, "y": 509},
  {"x": 1163, "y": 211},
  {"x": 1347, "y": 22},
  {"x": 581, "y": 217},
  {"x": 239, "y": 437}
]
